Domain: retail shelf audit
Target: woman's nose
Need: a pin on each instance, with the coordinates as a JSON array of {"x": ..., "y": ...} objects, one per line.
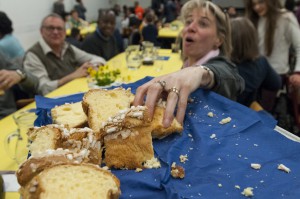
[{"x": 191, "y": 27}]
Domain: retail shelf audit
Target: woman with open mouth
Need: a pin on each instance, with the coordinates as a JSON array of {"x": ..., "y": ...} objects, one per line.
[{"x": 206, "y": 42}]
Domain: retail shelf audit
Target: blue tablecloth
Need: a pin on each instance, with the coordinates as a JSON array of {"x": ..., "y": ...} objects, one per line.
[{"x": 224, "y": 160}]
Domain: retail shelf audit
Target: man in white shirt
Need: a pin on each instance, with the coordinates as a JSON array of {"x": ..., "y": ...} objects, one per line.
[{"x": 55, "y": 62}]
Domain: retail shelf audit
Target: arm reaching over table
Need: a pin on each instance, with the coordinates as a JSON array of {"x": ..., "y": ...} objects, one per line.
[{"x": 206, "y": 50}]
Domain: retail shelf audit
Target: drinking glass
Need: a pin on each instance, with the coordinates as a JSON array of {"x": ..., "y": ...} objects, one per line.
[
  {"x": 133, "y": 57},
  {"x": 16, "y": 143}
]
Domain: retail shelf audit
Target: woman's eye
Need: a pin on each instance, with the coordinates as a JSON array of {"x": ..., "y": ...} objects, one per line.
[
  {"x": 188, "y": 22},
  {"x": 203, "y": 24}
]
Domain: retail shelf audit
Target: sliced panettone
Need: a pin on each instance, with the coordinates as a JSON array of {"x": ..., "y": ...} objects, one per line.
[
  {"x": 158, "y": 131},
  {"x": 45, "y": 137},
  {"x": 69, "y": 114},
  {"x": 100, "y": 104},
  {"x": 36, "y": 164},
  {"x": 135, "y": 116},
  {"x": 77, "y": 140},
  {"x": 73, "y": 181},
  {"x": 128, "y": 148},
  {"x": 127, "y": 139}
]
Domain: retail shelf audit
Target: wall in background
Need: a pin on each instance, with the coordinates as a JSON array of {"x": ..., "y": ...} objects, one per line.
[
  {"x": 28, "y": 14},
  {"x": 227, "y": 3},
  {"x": 130, "y": 3}
]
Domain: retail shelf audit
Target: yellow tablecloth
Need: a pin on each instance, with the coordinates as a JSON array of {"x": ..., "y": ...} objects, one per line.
[
  {"x": 172, "y": 31},
  {"x": 85, "y": 30},
  {"x": 7, "y": 124}
]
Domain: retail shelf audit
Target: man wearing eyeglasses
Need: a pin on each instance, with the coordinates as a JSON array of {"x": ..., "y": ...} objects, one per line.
[{"x": 55, "y": 62}]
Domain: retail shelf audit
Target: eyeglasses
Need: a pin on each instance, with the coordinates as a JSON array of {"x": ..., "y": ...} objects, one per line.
[{"x": 52, "y": 28}]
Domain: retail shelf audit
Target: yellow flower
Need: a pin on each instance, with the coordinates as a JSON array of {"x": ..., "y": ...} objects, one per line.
[{"x": 104, "y": 75}]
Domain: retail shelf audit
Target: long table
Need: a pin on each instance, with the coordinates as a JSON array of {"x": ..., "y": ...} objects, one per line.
[
  {"x": 173, "y": 30},
  {"x": 215, "y": 163},
  {"x": 171, "y": 63},
  {"x": 85, "y": 30}
]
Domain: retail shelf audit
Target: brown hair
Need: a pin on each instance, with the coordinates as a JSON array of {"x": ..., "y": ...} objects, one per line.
[
  {"x": 272, "y": 15},
  {"x": 222, "y": 21},
  {"x": 244, "y": 40}
]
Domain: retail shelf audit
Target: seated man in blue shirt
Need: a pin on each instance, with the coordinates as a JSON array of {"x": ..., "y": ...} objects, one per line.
[{"x": 103, "y": 42}]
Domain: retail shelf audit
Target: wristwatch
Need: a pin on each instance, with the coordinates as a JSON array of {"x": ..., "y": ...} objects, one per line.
[{"x": 21, "y": 73}]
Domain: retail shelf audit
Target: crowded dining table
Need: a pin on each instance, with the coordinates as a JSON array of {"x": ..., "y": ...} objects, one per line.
[
  {"x": 171, "y": 30},
  {"x": 166, "y": 63},
  {"x": 90, "y": 28},
  {"x": 218, "y": 155}
]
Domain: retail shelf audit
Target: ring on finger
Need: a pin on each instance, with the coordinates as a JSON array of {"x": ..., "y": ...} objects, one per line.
[
  {"x": 175, "y": 90},
  {"x": 162, "y": 83}
]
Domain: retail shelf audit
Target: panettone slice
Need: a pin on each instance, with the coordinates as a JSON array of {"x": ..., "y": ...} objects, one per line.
[
  {"x": 77, "y": 140},
  {"x": 127, "y": 139},
  {"x": 99, "y": 105},
  {"x": 128, "y": 148},
  {"x": 158, "y": 131},
  {"x": 70, "y": 114},
  {"x": 36, "y": 164},
  {"x": 79, "y": 181}
]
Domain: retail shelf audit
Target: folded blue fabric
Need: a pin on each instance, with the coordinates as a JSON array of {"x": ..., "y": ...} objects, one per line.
[{"x": 214, "y": 165}]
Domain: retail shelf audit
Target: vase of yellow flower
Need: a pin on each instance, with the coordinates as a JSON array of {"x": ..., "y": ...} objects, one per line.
[{"x": 104, "y": 76}]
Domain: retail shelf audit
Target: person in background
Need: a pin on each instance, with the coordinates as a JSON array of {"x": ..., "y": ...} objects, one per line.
[
  {"x": 80, "y": 8},
  {"x": 290, "y": 5},
  {"x": 138, "y": 10},
  {"x": 59, "y": 8},
  {"x": 150, "y": 32},
  {"x": 12, "y": 76},
  {"x": 53, "y": 61},
  {"x": 9, "y": 44},
  {"x": 206, "y": 51},
  {"x": 255, "y": 69},
  {"x": 158, "y": 7},
  {"x": 74, "y": 38},
  {"x": 232, "y": 12},
  {"x": 75, "y": 21},
  {"x": 278, "y": 30},
  {"x": 135, "y": 35},
  {"x": 170, "y": 11},
  {"x": 117, "y": 11},
  {"x": 102, "y": 42},
  {"x": 133, "y": 19},
  {"x": 297, "y": 11}
]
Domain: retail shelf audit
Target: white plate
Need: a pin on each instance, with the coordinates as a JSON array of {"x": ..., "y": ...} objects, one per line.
[{"x": 93, "y": 85}]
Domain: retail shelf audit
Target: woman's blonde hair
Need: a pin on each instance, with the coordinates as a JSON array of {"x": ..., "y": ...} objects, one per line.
[{"x": 222, "y": 21}]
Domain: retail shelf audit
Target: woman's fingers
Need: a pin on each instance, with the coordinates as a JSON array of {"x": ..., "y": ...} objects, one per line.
[
  {"x": 172, "y": 99},
  {"x": 181, "y": 105},
  {"x": 153, "y": 93},
  {"x": 140, "y": 94}
]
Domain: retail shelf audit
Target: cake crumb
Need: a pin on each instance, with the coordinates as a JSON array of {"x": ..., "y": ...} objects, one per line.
[
  {"x": 255, "y": 166},
  {"x": 237, "y": 187},
  {"x": 220, "y": 185},
  {"x": 177, "y": 171},
  {"x": 248, "y": 192},
  {"x": 284, "y": 168},
  {"x": 225, "y": 120},
  {"x": 152, "y": 163},
  {"x": 137, "y": 170},
  {"x": 183, "y": 158},
  {"x": 213, "y": 136},
  {"x": 210, "y": 114}
]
